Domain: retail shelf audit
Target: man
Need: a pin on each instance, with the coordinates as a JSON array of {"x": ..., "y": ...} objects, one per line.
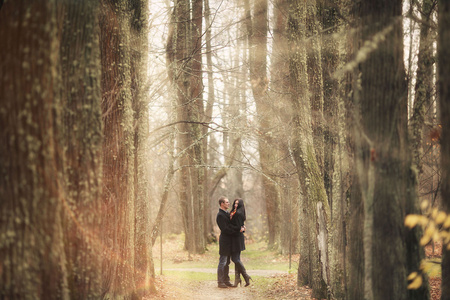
[{"x": 227, "y": 230}]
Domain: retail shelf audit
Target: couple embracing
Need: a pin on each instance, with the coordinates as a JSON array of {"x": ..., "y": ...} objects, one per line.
[{"x": 231, "y": 242}]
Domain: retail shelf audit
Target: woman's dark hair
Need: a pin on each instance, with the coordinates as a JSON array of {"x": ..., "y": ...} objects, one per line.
[{"x": 240, "y": 208}]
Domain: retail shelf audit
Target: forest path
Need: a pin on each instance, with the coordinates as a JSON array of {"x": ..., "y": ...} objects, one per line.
[
  {"x": 174, "y": 288},
  {"x": 194, "y": 276},
  {"x": 266, "y": 273}
]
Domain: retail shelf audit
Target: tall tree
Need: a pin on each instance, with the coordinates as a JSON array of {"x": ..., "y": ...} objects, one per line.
[
  {"x": 443, "y": 52},
  {"x": 335, "y": 154},
  {"x": 143, "y": 259},
  {"x": 82, "y": 136},
  {"x": 313, "y": 265},
  {"x": 381, "y": 149},
  {"x": 279, "y": 99},
  {"x": 118, "y": 157},
  {"x": 423, "y": 91},
  {"x": 32, "y": 258},
  {"x": 208, "y": 224},
  {"x": 257, "y": 28},
  {"x": 315, "y": 78},
  {"x": 420, "y": 115},
  {"x": 185, "y": 68}
]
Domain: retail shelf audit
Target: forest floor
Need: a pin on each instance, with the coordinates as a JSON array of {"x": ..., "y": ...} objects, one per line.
[
  {"x": 434, "y": 252},
  {"x": 186, "y": 276}
]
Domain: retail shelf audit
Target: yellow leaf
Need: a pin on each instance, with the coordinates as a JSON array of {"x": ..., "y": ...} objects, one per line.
[
  {"x": 412, "y": 275},
  {"x": 417, "y": 282},
  {"x": 424, "y": 205},
  {"x": 440, "y": 218},
  {"x": 447, "y": 223},
  {"x": 412, "y": 220},
  {"x": 434, "y": 213},
  {"x": 431, "y": 229},
  {"x": 436, "y": 236},
  {"x": 424, "y": 221},
  {"x": 425, "y": 240},
  {"x": 445, "y": 236}
]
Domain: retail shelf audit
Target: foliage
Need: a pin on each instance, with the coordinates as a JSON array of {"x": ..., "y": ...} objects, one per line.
[{"x": 436, "y": 227}]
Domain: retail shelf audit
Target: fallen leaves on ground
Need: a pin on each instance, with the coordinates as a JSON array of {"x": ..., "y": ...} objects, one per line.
[
  {"x": 434, "y": 251},
  {"x": 435, "y": 288},
  {"x": 285, "y": 287}
]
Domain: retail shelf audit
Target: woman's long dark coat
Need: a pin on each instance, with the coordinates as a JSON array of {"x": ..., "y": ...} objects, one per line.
[{"x": 238, "y": 240}]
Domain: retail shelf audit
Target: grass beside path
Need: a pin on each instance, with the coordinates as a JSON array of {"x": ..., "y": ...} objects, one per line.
[
  {"x": 187, "y": 276},
  {"x": 255, "y": 257}
]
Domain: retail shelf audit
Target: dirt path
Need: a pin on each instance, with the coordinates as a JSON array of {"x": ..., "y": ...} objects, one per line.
[
  {"x": 266, "y": 273},
  {"x": 181, "y": 279},
  {"x": 208, "y": 290}
]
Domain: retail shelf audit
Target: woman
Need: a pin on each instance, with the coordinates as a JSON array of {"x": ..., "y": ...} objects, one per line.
[{"x": 237, "y": 216}]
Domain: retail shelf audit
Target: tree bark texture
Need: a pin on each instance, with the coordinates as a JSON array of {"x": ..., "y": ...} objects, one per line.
[
  {"x": 143, "y": 262},
  {"x": 382, "y": 145},
  {"x": 184, "y": 63},
  {"x": 423, "y": 88},
  {"x": 315, "y": 78},
  {"x": 443, "y": 52},
  {"x": 118, "y": 157},
  {"x": 336, "y": 157},
  {"x": 285, "y": 176},
  {"x": 32, "y": 257},
  {"x": 208, "y": 224},
  {"x": 257, "y": 28},
  {"x": 82, "y": 135},
  {"x": 314, "y": 207},
  {"x": 420, "y": 115}
]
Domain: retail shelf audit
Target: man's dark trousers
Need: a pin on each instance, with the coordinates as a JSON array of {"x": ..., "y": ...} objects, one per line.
[{"x": 223, "y": 269}]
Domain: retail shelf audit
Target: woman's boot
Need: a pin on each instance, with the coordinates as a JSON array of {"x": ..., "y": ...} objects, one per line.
[
  {"x": 246, "y": 278},
  {"x": 237, "y": 278}
]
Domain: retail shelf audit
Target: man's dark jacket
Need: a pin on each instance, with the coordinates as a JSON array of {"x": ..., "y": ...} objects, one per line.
[{"x": 227, "y": 230}]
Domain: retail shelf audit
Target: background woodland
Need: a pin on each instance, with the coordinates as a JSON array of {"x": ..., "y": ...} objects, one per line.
[{"x": 120, "y": 119}]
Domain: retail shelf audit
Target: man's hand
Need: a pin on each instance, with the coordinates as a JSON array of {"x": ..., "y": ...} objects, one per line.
[{"x": 242, "y": 228}]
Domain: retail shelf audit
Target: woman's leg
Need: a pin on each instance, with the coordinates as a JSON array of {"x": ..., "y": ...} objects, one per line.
[{"x": 236, "y": 258}]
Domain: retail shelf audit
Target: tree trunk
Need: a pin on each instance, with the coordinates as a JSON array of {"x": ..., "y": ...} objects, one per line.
[
  {"x": 443, "y": 52},
  {"x": 184, "y": 60},
  {"x": 336, "y": 171},
  {"x": 82, "y": 135},
  {"x": 208, "y": 224},
  {"x": 118, "y": 158},
  {"x": 32, "y": 258},
  {"x": 279, "y": 84},
  {"x": 315, "y": 78},
  {"x": 314, "y": 206},
  {"x": 257, "y": 34},
  {"x": 424, "y": 86},
  {"x": 197, "y": 129},
  {"x": 381, "y": 143},
  {"x": 144, "y": 271},
  {"x": 422, "y": 106}
]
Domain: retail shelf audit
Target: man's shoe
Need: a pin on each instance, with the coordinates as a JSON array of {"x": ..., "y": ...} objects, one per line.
[
  {"x": 222, "y": 285},
  {"x": 229, "y": 284}
]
